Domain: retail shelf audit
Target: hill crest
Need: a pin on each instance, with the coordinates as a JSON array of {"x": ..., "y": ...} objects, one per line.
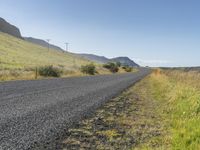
[
  {"x": 10, "y": 29},
  {"x": 102, "y": 59}
]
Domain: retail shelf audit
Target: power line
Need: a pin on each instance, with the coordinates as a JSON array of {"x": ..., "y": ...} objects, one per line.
[{"x": 67, "y": 46}]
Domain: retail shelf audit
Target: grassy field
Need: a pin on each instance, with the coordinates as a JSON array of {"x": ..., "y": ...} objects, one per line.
[
  {"x": 19, "y": 59},
  {"x": 179, "y": 94},
  {"x": 160, "y": 112},
  {"x": 19, "y": 54}
]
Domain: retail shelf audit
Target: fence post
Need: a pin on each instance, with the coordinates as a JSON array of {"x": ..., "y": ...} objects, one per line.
[{"x": 36, "y": 73}]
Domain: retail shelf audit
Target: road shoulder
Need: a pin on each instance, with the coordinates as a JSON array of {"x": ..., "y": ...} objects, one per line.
[{"x": 124, "y": 122}]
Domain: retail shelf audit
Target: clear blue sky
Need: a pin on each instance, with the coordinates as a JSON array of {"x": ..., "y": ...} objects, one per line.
[{"x": 152, "y": 32}]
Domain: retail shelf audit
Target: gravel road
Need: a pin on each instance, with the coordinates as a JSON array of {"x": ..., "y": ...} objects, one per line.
[{"x": 34, "y": 113}]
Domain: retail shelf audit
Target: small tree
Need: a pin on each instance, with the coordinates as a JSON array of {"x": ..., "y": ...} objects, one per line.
[{"x": 89, "y": 69}]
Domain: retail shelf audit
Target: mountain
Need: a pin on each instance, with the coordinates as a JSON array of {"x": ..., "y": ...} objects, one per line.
[
  {"x": 6, "y": 27},
  {"x": 9, "y": 29},
  {"x": 42, "y": 43},
  {"x": 102, "y": 59},
  {"x": 98, "y": 59},
  {"x": 125, "y": 61},
  {"x": 16, "y": 53}
]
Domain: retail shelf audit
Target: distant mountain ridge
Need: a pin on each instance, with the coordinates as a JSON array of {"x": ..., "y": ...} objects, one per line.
[
  {"x": 125, "y": 61},
  {"x": 102, "y": 59},
  {"x": 96, "y": 58},
  {"x": 8, "y": 28},
  {"x": 42, "y": 43}
]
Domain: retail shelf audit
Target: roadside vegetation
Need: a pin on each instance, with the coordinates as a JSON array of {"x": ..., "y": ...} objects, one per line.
[
  {"x": 127, "y": 68},
  {"x": 19, "y": 59},
  {"x": 113, "y": 67},
  {"x": 159, "y": 112},
  {"x": 89, "y": 69},
  {"x": 22, "y": 60},
  {"x": 49, "y": 71}
]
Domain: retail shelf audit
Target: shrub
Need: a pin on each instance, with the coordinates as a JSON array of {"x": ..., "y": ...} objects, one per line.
[
  {"x": 113, "y": 67},
  {"x": 89, "y": 69},
  {"x": 127, "y": 68},
  {"x": 49, "y": 71},
  {"x": 118, "y": 64}
]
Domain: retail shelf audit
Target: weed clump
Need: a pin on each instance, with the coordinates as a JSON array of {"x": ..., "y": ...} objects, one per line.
[
  {"x": 89, "y": 69},
  {"x": 127, "y": 68},
  {"x": 113, "y": 67},
  {"x": 49, "y": 71},
  {"x": 119, "y": 64}
]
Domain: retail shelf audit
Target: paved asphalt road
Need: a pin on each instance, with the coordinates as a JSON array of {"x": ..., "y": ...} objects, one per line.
[{"x": 33, "y": 113}]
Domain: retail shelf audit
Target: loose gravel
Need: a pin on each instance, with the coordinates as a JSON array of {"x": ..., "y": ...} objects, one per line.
[{"x": 37, "y": 112}]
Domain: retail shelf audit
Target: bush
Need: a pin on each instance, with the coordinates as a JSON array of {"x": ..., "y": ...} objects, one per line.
[
  {"x": 127, "y": 68},
  {"x": 113, "y": 67},
  {"x": 89, "y": 69},
  {"x": 118, "y": 64},
  {"x": 49, "y": 71}
]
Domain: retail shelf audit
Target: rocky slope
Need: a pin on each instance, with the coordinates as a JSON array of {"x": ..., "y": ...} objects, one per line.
[{"x": 6, "y": 27}]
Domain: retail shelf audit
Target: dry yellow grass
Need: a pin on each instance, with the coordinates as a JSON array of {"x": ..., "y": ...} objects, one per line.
[{"x": 19, "y": 60}]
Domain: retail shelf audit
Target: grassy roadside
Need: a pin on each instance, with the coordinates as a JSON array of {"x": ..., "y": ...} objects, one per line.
[
  {"x": 30, "y": 74},
  {"x": 159, "y": 112}
]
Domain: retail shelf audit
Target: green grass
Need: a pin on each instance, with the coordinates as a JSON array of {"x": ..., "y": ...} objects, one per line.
[
  {"x": 184, "y": 104},
  {"x": 178, "y": 96}
]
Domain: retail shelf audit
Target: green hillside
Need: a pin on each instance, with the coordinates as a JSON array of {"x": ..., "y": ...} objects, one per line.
[
  {"x": 19, "y": 54},
  {"x": 19, "y": 59}
]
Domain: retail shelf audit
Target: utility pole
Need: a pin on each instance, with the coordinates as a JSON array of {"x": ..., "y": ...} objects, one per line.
[
  {"x": 48, "y": 40},
  {"x": 67, "y": 46}
]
